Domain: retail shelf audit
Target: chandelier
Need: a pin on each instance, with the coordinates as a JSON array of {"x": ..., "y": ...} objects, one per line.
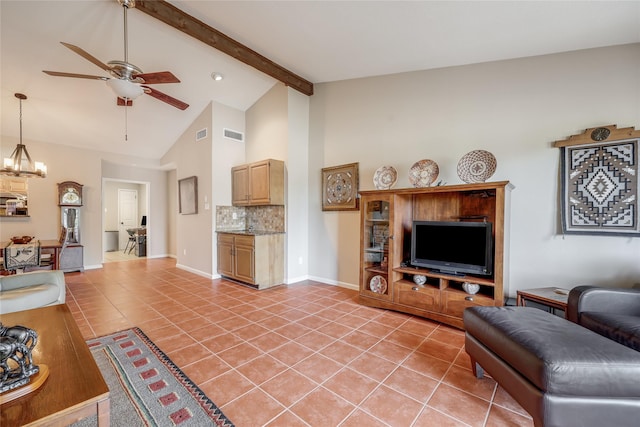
[{"x": 20, "y": 163}]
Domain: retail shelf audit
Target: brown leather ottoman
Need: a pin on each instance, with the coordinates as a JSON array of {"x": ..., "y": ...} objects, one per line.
[{"x": 560, "y": 373}]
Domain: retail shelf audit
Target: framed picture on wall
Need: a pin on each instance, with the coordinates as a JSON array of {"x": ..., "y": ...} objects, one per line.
[
  {"x": 340, "y": 188},
  {"x": 188, "y": 195}
]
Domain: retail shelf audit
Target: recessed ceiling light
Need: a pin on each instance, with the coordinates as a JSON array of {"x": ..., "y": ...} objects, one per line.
[{"x": 217, "y": 76}]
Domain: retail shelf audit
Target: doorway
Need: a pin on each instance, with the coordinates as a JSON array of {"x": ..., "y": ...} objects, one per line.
[{"x": 124, "y": 203}]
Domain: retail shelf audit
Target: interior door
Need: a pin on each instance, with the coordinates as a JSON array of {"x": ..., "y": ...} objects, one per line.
[{"x": 127, "y": 214}]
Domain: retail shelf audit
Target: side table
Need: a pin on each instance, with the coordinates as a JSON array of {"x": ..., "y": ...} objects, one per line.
[{"x": 552, "y": 298}]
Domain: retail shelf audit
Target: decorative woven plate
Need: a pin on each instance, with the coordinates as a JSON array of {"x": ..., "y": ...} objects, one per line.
[
  {"x": 476, "y": 166},
  {"x": 378, "y": 284},
  {"x": 423, "y": 173},
  {"x": 385, "y": 177}
]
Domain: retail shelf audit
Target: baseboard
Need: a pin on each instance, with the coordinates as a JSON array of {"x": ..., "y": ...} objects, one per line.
[
  {"x": 93, "y": 267},
  {"x": 194, "y": 271},
  {"x": 296, "y": 279},
  {"x": 334, "y": 282}
]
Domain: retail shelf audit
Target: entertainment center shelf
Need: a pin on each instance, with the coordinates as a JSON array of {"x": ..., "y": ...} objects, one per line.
[{"x": 387, "y": 278}]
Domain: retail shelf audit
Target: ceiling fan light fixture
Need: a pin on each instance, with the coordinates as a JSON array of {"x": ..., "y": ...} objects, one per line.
[
  {"x": 20, "y": 163},
  {"x": 125, "y": 88}
]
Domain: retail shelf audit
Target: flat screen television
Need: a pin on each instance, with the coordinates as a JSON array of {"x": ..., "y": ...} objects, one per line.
[{"x": 453, "y": 247}]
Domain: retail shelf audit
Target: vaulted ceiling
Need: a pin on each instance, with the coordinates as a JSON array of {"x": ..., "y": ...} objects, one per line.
[{"x": 321, "y": 41}]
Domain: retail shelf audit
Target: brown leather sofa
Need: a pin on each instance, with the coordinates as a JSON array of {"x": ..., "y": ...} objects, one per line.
[
  {"x": 561, "y": 373},
  {"x": 612, "y": 313}
]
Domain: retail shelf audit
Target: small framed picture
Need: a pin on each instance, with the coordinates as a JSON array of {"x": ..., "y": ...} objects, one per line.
[
  {"x": 340, "y": 188},
  {"x": 188, "y": 195}
]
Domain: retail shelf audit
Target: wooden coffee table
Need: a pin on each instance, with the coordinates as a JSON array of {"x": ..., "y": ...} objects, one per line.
[{"x": 75, "y": 388}]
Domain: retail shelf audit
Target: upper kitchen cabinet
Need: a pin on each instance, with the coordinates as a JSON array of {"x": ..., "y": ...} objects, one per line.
[{"x": 259, "y": 183}]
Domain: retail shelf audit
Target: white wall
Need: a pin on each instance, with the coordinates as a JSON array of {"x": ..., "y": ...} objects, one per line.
[
  {"x": 267, "y": 124},
  {"x": 225, "y": 154},
  {"x": 194, "y": 232},
  {"x": 86, "y": 167},
  {"x": 278, "y": 128},
  {"x": 159, "y": 194},
  {"x": 110, "y": 201},
  {"x": 110, "y": 206},
  {"x": 516, "y": 109},
  {"x": 297, "y": 209}
]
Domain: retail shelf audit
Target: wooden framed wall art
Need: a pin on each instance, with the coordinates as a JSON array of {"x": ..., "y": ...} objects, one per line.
[
  {"x": 599, "y": 188},
  {"x": 340, "y": 188},
  {"x": 188, "y": 195}
]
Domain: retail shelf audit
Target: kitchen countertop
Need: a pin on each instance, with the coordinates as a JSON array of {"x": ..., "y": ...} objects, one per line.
[{"x": 250, "y": 232}]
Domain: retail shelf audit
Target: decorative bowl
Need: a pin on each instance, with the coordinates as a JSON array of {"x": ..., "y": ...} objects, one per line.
[
  {"x": 419, "y": 279},
  {"x": 476, "y": 166},
  {"x": 471, "y": 288},
  {"x": 20, "y": 240},
  {"x": 385, "y": 177},
  {"x": 423, "y": 173}
]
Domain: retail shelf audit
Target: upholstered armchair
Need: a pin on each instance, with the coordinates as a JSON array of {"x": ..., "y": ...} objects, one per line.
[{"x": 611, "y": 312}]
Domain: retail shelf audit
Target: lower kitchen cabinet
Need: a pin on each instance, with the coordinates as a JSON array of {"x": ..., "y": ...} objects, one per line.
[{"x": 254, "y": 259}]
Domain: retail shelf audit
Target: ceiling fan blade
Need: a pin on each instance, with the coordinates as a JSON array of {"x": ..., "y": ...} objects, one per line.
[
  {"x": 156, "y": 78},
  {"x": 122, "y": 102},
  {"x": 86, "y": 55},
  {"x": 165, "y": 98},
  {"x": 77, "y": 76}
]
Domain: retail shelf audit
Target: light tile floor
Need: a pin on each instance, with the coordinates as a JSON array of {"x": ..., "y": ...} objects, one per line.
[
  {"x": 300, "y": 355},
  {"x": 113, "y": 256}
]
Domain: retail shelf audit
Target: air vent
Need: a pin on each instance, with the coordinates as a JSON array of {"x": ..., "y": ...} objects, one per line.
[
  {"x": 235, "y": 135},
  {"x": 201, "y": 134}
]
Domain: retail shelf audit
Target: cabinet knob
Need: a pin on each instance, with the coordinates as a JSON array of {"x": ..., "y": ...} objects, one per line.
[
  {"x": 468, "y": 298},
  {"x": 391, "y": 237},
  {"x": 415, "y": 288}
]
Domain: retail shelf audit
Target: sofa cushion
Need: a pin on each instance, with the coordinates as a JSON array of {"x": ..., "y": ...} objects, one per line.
[
  {"x": 14, "y": 281},
  {"x": 621, "y": 328},
  {"x": 556, "y": 355},
  {"x": 29, "y": 297}
]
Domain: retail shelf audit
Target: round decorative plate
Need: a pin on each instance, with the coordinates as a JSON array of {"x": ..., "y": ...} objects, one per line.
[
  {"x": 385, "y": 177},
  {"x": 476, "y": 166},
  {"x": 378, "y": 284},
  {"x": 423, "y": 173}
]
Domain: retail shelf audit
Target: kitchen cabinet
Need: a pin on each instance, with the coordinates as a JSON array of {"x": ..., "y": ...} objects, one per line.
[
  {"x": 254, "y": 259},
  {"x": 13, "y": 185},
  {"x": 13, "y": 197},
  {"x": 259, "y": 183}
]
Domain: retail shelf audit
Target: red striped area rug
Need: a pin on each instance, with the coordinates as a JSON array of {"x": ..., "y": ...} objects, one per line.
[{"x": 147, "y": 388}]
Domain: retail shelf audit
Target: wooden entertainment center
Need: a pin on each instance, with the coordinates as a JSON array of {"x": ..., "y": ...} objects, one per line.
[{"x": 387, "y": 278}]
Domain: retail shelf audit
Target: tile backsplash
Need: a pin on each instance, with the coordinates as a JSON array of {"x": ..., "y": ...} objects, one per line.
[{"x": 262, "y": 218}]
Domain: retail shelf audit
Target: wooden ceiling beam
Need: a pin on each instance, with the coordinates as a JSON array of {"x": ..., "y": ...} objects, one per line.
[{"x": 176, "y": 18}]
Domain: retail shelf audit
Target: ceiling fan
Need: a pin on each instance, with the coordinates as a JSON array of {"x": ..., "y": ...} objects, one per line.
[{"x": 127, "y": 81}]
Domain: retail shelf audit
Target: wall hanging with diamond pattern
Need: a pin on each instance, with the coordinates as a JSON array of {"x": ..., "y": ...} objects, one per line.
[{"x": 600, "y": 182}]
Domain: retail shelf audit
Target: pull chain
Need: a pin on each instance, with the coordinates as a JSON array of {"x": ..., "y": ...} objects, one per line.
[{"x": 126, "y": 123}]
